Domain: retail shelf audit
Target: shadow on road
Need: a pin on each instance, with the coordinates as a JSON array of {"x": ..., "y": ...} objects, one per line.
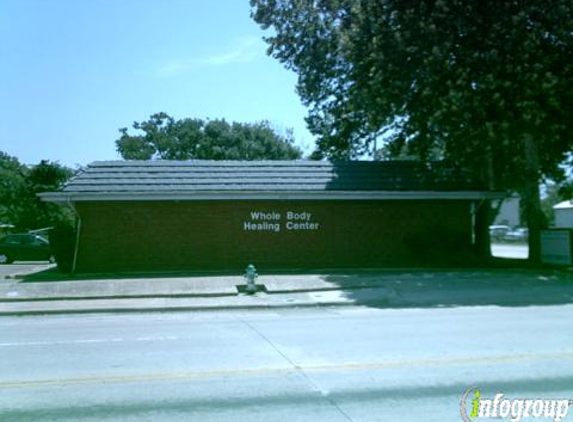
[{"x": 456, "y": 288}]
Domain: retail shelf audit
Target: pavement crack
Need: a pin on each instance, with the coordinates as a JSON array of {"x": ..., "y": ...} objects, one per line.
[{"x": 314, "y": 386}]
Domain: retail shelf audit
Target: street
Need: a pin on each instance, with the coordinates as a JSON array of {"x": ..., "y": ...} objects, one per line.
[{"x": 323, "y": 364}]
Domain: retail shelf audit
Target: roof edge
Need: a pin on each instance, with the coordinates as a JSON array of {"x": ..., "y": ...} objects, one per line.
[
  {"x": 66, "y": 197},
  {"x": 565, "y": 205}
]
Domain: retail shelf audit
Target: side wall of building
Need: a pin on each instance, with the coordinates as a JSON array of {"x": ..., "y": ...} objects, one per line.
[
  {"x": 157, "y": 236},
  {"x": 564, "y": 218}
]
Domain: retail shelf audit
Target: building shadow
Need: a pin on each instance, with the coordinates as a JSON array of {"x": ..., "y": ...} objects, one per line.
[
  {"x": 414, "y": 214},
  {"x": 454, "y": 288}
]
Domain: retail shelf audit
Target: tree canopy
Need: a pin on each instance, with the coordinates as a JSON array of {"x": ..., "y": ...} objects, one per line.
[
  {"x": 472, "y": 78},
  {"x": 486, "y": 85},
  {"x": 166, "y": 138},
  {"x": 13, "y": 188},
  {"x": 19, "y": 184}
]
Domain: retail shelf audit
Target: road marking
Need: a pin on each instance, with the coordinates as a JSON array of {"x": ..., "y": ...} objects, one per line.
[{"x": 287, "y": 369}]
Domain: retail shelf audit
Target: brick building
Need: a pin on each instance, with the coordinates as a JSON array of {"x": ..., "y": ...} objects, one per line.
[{"x": 186, "y": 215}]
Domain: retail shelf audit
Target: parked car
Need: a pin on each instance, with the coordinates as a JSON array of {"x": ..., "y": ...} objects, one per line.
[
  {"x": 24, "y": 247},
  {"x": 498, "y": 232},
  {"x": 519, "y": 234}
]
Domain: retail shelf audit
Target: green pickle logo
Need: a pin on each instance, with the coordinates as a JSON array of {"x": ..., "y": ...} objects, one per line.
[{"x": 473, "y": 406}]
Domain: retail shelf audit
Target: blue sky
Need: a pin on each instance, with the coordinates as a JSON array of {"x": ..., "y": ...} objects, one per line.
[{"x": 72, "y": 72}]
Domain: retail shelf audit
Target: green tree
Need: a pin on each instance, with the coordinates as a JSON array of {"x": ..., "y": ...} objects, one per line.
[
  {"x": 485, "y": 85},
  {"x": 13, "y": 188},
  {"x": 551, "y": 198},
  {"x": 44, "y": 177},
  {"x": 19, "y": 204},
  {"x": 166, "y": 138},
  {"x": 566, "y": 187}
]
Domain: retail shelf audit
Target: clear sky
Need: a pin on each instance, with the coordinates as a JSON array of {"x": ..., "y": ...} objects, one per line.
[{"x": 72, "y": 72}]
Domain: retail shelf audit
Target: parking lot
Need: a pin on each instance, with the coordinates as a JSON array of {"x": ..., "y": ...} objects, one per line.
[
  {"x": 510, "y": 250},
  {"x": 18, "y": 267}
]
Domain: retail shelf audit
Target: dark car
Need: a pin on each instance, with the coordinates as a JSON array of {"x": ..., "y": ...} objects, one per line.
[{"x": 24, "y": 247}]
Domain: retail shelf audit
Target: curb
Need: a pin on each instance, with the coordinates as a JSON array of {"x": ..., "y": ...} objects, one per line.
[
  {"x": 153, "y": 296},
  {"x": 136, "y": 309},
  {"x": 173, "y": 295}
]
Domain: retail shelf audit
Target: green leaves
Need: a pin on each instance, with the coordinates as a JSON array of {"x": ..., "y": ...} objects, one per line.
[
  {"x": 469, "y": 79},
  {"x": 169, "y": 139},
  {"x": 12, "y": 186},
  {"x": 19, "y": 185}
]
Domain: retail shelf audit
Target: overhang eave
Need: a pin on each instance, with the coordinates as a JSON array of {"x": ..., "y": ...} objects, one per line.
[{"x": 68, "y": 197}]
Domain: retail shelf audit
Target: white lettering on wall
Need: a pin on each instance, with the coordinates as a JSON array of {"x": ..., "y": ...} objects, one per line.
[
  {"x": 257, "y": 215},
  {"x": 271, "y": 221}
]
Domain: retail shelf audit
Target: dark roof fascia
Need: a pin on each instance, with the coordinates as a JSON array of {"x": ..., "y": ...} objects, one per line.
[{"x": 68, "y": 197}]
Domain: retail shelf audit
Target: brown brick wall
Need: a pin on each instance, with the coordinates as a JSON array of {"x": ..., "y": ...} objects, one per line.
[{"x": 141, "y": 236}]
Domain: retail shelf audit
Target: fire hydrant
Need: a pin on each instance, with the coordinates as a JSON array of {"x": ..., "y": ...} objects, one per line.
[{"x": 251, "y": 276}]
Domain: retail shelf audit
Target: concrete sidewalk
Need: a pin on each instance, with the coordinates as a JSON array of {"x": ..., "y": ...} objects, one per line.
[
  {"x": 168, "y": 294},
  {"x": 117, "y": 305},
  {"x": 392, "y": 288}
]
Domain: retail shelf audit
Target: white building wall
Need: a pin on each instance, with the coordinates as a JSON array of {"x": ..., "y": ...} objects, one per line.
[{"x": 564, "y": 218}]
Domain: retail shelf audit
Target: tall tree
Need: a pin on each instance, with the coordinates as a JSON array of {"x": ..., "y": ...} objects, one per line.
[
  {"x": 19, "y": 184},
  {"x": 13, "y": 188},
  {"x": 487, "y": 85},
  {"x": 44, "y": 177},
  {"x": 166, "y": 138}
]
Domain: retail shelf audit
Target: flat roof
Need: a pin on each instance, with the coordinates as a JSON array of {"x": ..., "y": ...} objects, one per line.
[
  {"x": 565, "y": 205},
  {"x": 300, "y": 180}
]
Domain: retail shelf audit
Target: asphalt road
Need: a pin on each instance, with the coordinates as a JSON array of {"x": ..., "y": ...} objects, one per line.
[{"x": 345, "y": 364}]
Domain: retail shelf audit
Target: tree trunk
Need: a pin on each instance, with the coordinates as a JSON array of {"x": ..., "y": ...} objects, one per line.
[
  {"x": 483, "y": 213},
  {"x": 531, "y": 197}
]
